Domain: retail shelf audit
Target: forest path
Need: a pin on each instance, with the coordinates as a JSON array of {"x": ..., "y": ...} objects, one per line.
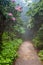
[{"x": 27, "y": 55}]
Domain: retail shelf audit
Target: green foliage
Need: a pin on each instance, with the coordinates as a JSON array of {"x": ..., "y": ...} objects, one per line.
[
  {"x": 5, "y": 36},
  {"x": 36, "y": 14},
  {"x": 41, "y": 54},
  {"x": 7, "y": 6},
  {"x": 36, "y": 8},
  {"x": 10, "y": 47},
  {"x": 38, "y": 40},
  {"x": 40, "y": 34},
  {"x": 10, "y": 30},
  {"x": 30, "y": 24},
  {"x": 20, "y": 29},
  {"x": 5, "y": 2},
  {"x": 9, "y": 52}
]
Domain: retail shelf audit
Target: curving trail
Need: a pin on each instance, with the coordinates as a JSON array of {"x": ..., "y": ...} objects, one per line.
[{"x": 27, "y": 55}]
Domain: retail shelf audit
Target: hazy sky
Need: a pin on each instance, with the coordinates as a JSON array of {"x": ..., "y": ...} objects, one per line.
[{"x": 24, "y": 3}]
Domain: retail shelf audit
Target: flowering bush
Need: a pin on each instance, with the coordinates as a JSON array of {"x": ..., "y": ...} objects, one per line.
[
  {"x": 13, "y": 0},
  {"x": 18, "y": 8},
  {"x": 10, "y": 14},
  {"x": 9, "y": 17}
]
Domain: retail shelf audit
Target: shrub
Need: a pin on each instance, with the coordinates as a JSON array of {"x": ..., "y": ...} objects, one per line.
[
  {"x": 38, "y": 40},
  {"x": 38, "y": 44},
  {"x": 9, "y": 52},
  {"x": 41, "y": 54}
]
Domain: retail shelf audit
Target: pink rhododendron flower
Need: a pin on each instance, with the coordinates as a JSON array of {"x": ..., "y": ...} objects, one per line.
[
  {"x": 18, "y": 8},
  {"x": 10, "y": 14},
  {"x": 13, "y": 18},
  {"x": 13, "y": 0}
]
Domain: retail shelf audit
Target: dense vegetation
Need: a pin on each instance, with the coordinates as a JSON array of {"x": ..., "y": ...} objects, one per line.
[
  {"x": 36, "y": 12},
  {"x": 11, "y": 29}
]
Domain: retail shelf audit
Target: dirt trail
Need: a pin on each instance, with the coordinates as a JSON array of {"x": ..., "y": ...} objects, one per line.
[{"x": 27, "y": 55}]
